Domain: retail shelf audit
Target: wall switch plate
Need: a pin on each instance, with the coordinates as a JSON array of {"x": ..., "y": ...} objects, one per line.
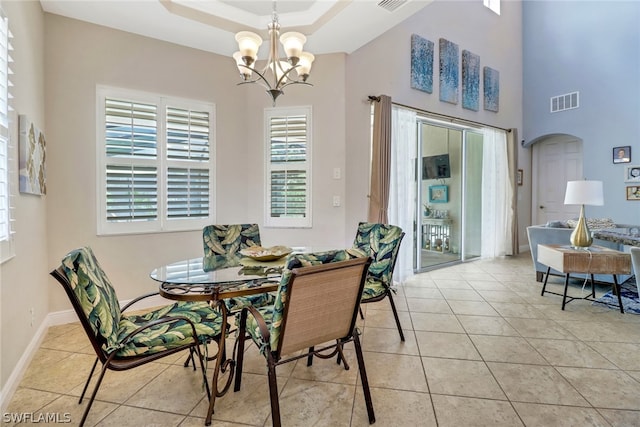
[
  {"x": 336, "y": 201},
  {"x": 337, "y": 173}
]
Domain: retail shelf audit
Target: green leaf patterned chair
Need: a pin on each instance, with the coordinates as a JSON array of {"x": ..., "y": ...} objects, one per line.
[
  {"x": 316, "y": 306},
  {"x": 223, "y": 243},
  {"x": 381, "y": 242},
  {"x": 222, "y": 246},
  {"x": 123, "y": 342}
]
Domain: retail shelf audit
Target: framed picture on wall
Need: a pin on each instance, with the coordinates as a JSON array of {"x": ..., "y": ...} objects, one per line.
[
  {"x": 622, "y": 154},
  {"x": 632, "y": 173},
  {"x": 438, "y": 194},
  {"x": 633, "y": 193}
]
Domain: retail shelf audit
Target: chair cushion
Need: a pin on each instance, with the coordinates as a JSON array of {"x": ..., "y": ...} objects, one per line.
[
  {"x": 95, "y": 294},
  {"x": 258, "y": 300},
  {"x": 208, "y": 324},
  {"x": 381, "y": 242},
  {"x": 254, "y": 330},
  {"x": 373, "y": 288},
  {"x": 222, "y": 243}
]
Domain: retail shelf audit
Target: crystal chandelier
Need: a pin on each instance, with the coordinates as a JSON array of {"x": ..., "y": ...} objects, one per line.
[{"x": 277, "y": 73}]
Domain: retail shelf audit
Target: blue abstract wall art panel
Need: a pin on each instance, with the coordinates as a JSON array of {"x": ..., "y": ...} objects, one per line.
[
  {"x": 421, "y": 64},
  {"x": 491, "y": 89},
  {"x": 449, "y": 74},
  {"x": 470, "y": 81}
]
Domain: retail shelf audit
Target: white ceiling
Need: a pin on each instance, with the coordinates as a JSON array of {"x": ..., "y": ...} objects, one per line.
[{"x": 331, "y": 26}]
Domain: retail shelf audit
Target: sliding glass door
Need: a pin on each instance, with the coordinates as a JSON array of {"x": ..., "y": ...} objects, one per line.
[
  {"x": 448, "y": 185},
  {"x": 472, "y": 195}
]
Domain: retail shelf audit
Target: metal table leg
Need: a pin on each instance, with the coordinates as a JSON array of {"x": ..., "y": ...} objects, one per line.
[{"x": 566, "y": 285}]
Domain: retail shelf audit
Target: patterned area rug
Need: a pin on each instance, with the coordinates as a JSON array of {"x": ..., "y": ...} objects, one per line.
[{"x": 629, "y": 294}]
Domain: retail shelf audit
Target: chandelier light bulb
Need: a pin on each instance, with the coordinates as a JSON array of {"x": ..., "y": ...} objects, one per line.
[
  {"x": 304, "y": 66},
  {"x": 244, "y": 71},
  {"x": 248, "y": 44},
  {"x": 293, "y": 43}
]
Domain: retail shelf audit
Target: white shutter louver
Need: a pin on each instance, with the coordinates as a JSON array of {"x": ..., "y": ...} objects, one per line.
[
  {"x": 288, "y": 194},
  {"x": 187, "y": 145},
  {"x": 6, "y": 250},
  {"x": 132, "y": 193},
  {"x": 157, "y": 168},
  {"x": 188, "y": 193},
  {"x": 187, "y": 134},
  {"x": 130, "y": 129},
  {"x": 288, "y": 183}
]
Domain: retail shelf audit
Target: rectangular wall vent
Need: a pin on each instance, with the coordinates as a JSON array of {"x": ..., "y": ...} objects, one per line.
[
  {"x": 564, "y": 102},
  {"x": 391, "y": 5}
]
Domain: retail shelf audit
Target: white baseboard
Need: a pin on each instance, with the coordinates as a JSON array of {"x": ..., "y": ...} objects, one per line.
[
  {"x": 523, "y": 248},
  {"x": 10, "y": 387},
  {"x": 54, "y": 319}
]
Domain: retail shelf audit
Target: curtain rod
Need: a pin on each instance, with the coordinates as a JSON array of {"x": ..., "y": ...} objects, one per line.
[{"x": 373, "y": 98}]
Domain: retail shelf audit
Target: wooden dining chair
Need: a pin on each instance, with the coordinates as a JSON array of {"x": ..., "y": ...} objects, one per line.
[
  {"x": 123, "y": 342},
  {"x": 381, "y": 242},
  {"x": 314, "y": 312}
]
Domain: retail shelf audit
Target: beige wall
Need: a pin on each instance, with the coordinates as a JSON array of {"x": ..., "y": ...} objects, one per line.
[
  {"x": 383, "y": 67},
  {"x": 24, "y": 283},
  {"x": 62, "y": 60},
  {"x": 80, "y": 56}
]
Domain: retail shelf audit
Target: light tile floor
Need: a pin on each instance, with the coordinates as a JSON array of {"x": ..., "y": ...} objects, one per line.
[{"x": 483, "y": 348}]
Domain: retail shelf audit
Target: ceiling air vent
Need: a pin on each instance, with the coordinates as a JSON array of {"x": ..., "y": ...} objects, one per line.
[
  {"x": 564, "y": 102},
  {"x": 391, "y": 5}
]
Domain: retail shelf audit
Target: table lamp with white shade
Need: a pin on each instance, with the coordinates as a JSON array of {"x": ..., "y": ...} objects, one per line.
[{"x": 583, "y": 193}]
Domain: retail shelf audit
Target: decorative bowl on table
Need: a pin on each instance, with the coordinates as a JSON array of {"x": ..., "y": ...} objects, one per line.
[{"x": 259, "y": 253}]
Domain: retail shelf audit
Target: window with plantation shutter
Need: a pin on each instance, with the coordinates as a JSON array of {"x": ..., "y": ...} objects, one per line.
[
  {"x": 6, "y": 185},
  {"x": 288, "y": 167},
  {"x": 155, "y": 163}
]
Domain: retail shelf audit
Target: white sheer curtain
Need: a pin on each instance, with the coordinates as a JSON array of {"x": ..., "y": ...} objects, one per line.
[
  {"x": 497, "y": 196},
  {"x": 402, "y": 188}
]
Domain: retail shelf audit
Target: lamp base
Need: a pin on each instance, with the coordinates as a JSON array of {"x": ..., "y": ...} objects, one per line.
[{"x": 581, "y": 237}]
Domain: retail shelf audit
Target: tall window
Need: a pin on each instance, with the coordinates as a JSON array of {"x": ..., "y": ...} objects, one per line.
[
  {"x": 155, "y": 163},
  {"x": 288, "y": 167},
  {"x": 6, "y": 241}
]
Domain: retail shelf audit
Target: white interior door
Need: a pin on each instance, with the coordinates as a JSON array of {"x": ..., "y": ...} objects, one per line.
[{"x": 555, "y": 161}]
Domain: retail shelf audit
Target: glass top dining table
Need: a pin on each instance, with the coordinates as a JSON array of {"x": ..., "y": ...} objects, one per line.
[{"x": 194, "y": 280}]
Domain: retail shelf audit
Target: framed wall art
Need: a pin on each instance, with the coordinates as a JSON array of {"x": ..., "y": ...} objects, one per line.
[
  {"x": 622, "y": 154},
  {"x": 491, "y": 80},
  {"x": 449, "y": 74},
  {"x": 632, "y": 173},
  {"x": 32, "y": 147},
  {"x": 421, "y": 64},
  {"x": 438, "y": 194},
  {"x": 470, "y": 80},
  {"x": 633, "y": 193}
]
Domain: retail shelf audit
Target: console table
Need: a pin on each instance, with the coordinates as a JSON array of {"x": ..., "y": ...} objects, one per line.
[
  {"x": 591, "y": 260},
  {"x": 436, "y": 234}
]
